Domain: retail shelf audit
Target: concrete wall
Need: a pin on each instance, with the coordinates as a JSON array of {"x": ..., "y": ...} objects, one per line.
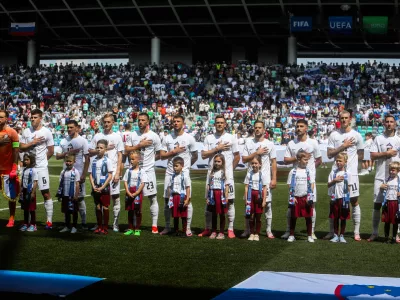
[
  {"x": 268, "y": 54},
  {"x": 7, "y": 59}
]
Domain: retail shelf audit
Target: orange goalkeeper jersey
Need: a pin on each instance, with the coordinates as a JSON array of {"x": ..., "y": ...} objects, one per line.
[{"x": 6, "y": 151}]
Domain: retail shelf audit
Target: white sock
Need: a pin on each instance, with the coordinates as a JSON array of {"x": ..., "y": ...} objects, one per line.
[
  {"x": 116, "y": 210},
  {"x": 208, "y": 216},
  {"x": 268, "y": 216},
  {"x": 154, "y": 209},
  {"x": 331, "y": 227},
  {"x": 356, "y": 218},
  {"x": 167, "y": 214},
  {"x": 48, "y": 207},
  {"x": 288, "y": 216},
  {"x": 376, "y": 218},
  {"x": 82, "y": 211},
  {"x": 231, "y": 215},
  {"x": 313, "y": 218},
  {"x": 189, "y": 216}
]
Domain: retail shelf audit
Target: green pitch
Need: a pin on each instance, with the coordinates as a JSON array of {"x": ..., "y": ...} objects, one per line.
[{"x": 207, "y": 267}]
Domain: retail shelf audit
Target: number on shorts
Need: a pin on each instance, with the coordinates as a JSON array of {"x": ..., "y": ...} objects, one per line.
[
  {"x": 150, "y": 185},
  {"x": 353, "y": 187},
  {"x": 230, "y": 190},
  {"x": 44, "y": 180}
]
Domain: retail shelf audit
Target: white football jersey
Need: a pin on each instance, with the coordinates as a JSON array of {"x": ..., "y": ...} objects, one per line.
[
  {"x": 256, "y": 180},
  {"x": 171, "y": 141},
  {"x": 383, "y": 143},
  {"x": 309, "y": 146},
  {"x": 148, "y": 154},
  {"x": 134, "y": 177},
  {"x": 212, "y": 140},
  {"x": 80, "y": 143},
  {"x": 338, "y": 188},
  {"x": 300, "y": 189},
  {"x": 99, "y": 163},
  {"x": 336, "y": 139},
  {"x": 252, "y": 146},
  {"x": 113, "y": 139},
  {"x": 40, "y": 150},
  {"x": 67, "y": 180},
  {"x": 25, "y": 176}
]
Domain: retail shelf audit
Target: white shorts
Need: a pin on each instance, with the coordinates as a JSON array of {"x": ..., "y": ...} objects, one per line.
[
  {"x": 355, "y": 187},
  {"x": 231, "y": 191},
  {"x": 150, "y": 188},
  {"x": 115, "y": 187},
  {"x": 168, "y": 179},
  {"x": 378, "y": 194},
  {"x": 367, "y": 155},
  {"x": 43, "y": 179}
]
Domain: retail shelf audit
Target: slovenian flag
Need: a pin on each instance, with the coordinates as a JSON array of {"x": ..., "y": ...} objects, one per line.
[{"x": 22, "y": 29}]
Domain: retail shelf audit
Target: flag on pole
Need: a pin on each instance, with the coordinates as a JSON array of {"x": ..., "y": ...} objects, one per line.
[{"x": 22, "y": 29}]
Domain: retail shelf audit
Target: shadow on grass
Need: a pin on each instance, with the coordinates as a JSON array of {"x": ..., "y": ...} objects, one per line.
[{"x": 107, "y": 289}]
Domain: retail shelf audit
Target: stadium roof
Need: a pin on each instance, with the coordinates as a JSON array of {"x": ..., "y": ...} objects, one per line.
[{"x": 119, "y": 25}]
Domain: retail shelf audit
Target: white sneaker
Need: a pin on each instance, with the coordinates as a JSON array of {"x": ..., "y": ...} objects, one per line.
[
  {"x": 341, "y": 239},
  {"x": 251, "y": 237},
  {"x": 314, "y": 236},
  {"x": 291, "y": 238},
  {"x": 310, "y": 239},
  {"x": 363, "y": 172},
  {"x": 94, "y": 227},
  {"x": 335, "y": 239},
  {"x": 285, "y": 235},
  {"x": 73, "y": 230},
  {"x": 65, "y": 229},
  {"x": 256, "y": 237},
  {"x": 115, "y": 228}
]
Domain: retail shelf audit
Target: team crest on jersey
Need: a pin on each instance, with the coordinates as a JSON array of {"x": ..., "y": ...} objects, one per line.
[{"x": 389, "y": 146}]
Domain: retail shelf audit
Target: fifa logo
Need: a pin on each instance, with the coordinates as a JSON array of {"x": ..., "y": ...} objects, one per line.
[{"x": 301, "y": 24}]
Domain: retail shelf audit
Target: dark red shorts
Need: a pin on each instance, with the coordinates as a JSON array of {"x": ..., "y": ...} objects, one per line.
[
  {"x": 102, "y": 199},
  {"x": 337, "y": 211},
  {"x": 256, "y": 203},
  {"x": 177, "y": 211},
  {"x": 130, "y": 203},
  {"x": 301, "y": 209},
  {"x": 65, "y": 205},
  {"x": 218, "y": 207},
  {"x": 389, "y": 213},
  {"x": 29, "y": 204}
]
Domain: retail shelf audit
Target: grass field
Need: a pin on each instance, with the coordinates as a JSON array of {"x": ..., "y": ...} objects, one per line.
[{"x": 207, "y": 267}]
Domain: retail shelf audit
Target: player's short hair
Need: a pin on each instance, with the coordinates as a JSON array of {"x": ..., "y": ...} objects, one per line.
[
  {"x": 344, "y": 112},
  {"x": 301, "y": 154},
  {"x": 31, "y": 157},
  {"x": 128, "y": 126},
  {"x": 103, "y": 142},
  {"x": 302, "y": 121},
  {"x": 394, "y": 165},
  {"x": 178, "y": 160},
  {"x": 259, "y": 122},
  {"x": 179, "y": 117},
  {"x": 145, "y": 115},
  {"x": 75, "y": 123},
  {"x": 258, "y": 158},
  {"x": 220, "y": 117},
  {"x": 70, "y": 156},
  {"x": 107, "y": 115},
  {"x": 134, "y": 152},
  {"x": 5, "y": 112},
  {"x": 389, "y": 116},
  {"x": 37, "y": 112},
  {"x": 368, "y": 134},
  {"x": 343, "y": 155}
]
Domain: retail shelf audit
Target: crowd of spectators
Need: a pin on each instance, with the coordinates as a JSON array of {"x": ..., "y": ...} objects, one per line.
[{"x": 243, "y": 93}]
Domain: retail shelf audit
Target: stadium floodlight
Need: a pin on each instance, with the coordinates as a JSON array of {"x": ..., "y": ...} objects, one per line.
[{"x": 345, "y": 7}]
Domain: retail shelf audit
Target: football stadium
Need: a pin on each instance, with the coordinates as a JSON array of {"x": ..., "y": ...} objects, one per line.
[{"x": 185, "y": 138}]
